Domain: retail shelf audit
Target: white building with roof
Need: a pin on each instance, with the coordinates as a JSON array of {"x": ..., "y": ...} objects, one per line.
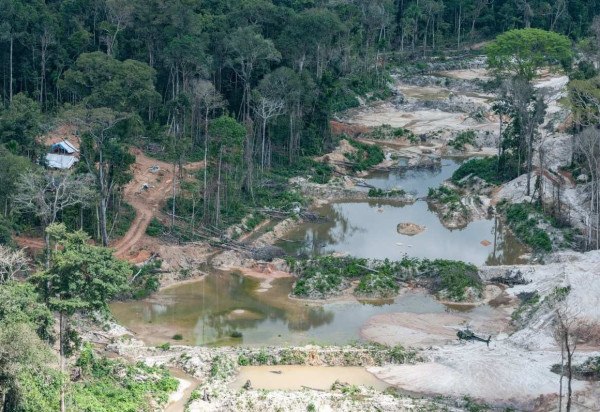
[{"x": 62, "y": 155}]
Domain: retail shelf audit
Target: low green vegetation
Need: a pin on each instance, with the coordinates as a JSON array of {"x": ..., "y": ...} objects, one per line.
[
  {"x": 528, "y": 302},
  {"x": 447, "y": 200},
  {"x": 145, "y": 281},
  {"x": 379, "y": 284},
  {"x": 367, "y": 156},
  {"x": 380, "y": 193},
  {"x": 487, "y": 169},
  {"x": 463, "y": 139},
  {"x": 387, "y": 132},
  {"x": 111, "y": 385},
  {"x": 586, "y": 371},
  {"x": 325, "y": 276},
  {"x": 353, "y": 355},
  {"x": 525, "y": 221},
  {"x": 155, "y": 228}
]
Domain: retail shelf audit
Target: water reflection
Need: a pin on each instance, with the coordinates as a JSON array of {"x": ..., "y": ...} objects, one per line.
[
  {"x": 208, "y": 311},
  {"x": 368, "y": 229}
]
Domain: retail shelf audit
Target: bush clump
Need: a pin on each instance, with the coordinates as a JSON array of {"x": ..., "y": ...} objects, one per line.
[
  {"x": 326, "y": 276},
  {"x": 380, "y": 193},
  {"x": 463, "y": 139},
  {"x": 486, "y": 169},
  {"x": 524, "y": 220},
  {"x": 112, "y": 382},
  {"x": 451, "y": 278},
  {"x": 365, "y": 157},
  {"x": 155, "y": 228}
]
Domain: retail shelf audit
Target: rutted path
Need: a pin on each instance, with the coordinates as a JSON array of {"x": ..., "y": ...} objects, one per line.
[{"x": 151, "y": 184}]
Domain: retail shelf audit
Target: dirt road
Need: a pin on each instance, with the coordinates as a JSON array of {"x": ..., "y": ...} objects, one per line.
[{"x": 152, "y": 183}]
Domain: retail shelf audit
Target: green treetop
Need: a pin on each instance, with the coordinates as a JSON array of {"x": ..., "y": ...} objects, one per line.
[{"x": 523, "y": 52}]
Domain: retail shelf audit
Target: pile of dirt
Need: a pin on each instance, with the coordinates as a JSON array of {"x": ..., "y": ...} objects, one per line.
[{"x": 410, "y": 229}]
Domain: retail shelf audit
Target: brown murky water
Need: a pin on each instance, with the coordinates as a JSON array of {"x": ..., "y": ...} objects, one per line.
[
  {"x": 298, "y": 377},
  {"x": 209, "y": 311},
  {"x": 230, "y": 309}
]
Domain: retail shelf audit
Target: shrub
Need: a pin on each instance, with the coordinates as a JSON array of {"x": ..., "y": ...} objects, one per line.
[
  {"x": 155, "y": 228},
  {"x": 365, "y": 157},
  {"x": 463, "y": 138},
  {"x": 379, "y": 193},
  {"x": 487, "y": 168},
  {"x": 178, "y": 336},
  {"x": 524, "y": 220}
]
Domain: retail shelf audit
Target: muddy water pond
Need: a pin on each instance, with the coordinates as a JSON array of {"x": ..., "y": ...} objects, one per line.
[
  {"x": 223, "y": 305},
  {"x": 369, "y": 228},
  {"x": 297, "y": 377}
]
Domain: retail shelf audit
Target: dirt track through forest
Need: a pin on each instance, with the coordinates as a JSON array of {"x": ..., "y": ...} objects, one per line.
[
  {"x": 146, "y": 192},
  {"x": 151, "y": 184}
]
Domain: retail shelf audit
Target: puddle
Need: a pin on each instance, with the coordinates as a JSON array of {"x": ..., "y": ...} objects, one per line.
[
  {"x": 298, "y": 377},
  {"x": 208, "y": 311},
  {"x": 368, "y": 229}
]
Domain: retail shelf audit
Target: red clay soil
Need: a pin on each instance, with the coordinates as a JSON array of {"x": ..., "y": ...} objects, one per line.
[
  {"x": 145, "y": 193},
  {"x": 352, "y": 130}
]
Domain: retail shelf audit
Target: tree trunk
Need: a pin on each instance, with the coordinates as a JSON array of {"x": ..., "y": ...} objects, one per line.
[
  {"x": 218, "y": 204},
  {"x": 10, "y": 82},
  {"x": 562, "y": 374},
  {"x": 569, "y": 370},
  {"x": 103, "y": 220},
  {"x": 174, "y": 192},
  {"x": 61, "y": 336},
  {"x": 529, "y": 160},
  {"x": 205, "y": 200}
]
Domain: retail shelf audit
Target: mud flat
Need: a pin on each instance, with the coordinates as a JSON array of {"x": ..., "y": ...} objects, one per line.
[
  {"x": 424, "y": 329},
  {"x": 297, "y": 377},
  {"x": 502, "y": 374}
]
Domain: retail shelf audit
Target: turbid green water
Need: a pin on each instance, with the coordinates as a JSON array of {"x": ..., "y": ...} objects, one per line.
[
  {"x": 206, "y": 312},
  {"x": 368, "y": 229}
]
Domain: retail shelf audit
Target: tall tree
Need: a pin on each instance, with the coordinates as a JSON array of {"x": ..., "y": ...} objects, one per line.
[
  {"x": 248, "y": 53},
  {"x": 47, "y": 194},
  {"x": 523, "y": 52},
  {"x": 105, "y": 155},
  {"x": 81, "y": 277}
]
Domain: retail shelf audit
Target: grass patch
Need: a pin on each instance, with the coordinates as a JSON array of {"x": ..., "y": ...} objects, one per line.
[
  {"x": 524, "y": 219},
  {"x": 325, "y": 276},
  {"x": 462, "y": 139}
]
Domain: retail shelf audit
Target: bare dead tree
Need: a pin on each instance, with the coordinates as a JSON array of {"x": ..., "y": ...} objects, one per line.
[
  {"x": 119, "y": 14},
  {"x": 266, "y": 108},
  {"x": 570, "y": 330},
  {"x": 587, "y": 145},
  {"x": 46, "y": 194},
  {"x": 205, "y": 99},
  {"x": 12, "y": 263}
]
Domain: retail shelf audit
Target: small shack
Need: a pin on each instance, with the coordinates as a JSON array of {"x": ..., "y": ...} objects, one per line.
[{"x": 62, "y": 155}]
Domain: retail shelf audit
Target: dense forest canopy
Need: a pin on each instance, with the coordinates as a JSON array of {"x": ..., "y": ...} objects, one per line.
[{"x": 155, "y": 73}]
